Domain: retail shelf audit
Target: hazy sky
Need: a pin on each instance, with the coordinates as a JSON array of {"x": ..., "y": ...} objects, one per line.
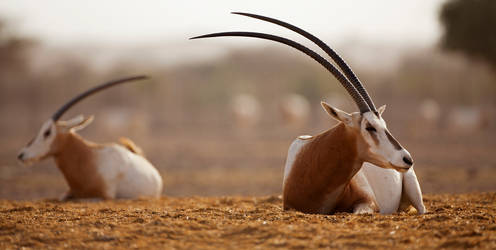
[{"x": 125, "y": 22}]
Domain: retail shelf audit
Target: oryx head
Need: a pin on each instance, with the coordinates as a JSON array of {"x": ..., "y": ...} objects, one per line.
[
  {"x": 45, "y": 143},
  {"x": 382, "y": 149}
]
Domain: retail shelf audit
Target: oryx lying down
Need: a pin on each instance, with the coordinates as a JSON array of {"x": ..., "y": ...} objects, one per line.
[
  {"x": 93, "y": 170},
  {"x": 323, "y": 173}
]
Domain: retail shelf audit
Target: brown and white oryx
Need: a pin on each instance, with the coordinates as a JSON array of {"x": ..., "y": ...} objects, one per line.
[
  {"x": 93, "y": 170},
  {"x": 356, "y": 166}
]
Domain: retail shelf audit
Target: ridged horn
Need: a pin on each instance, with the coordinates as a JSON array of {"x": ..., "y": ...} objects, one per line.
[
  {"x": 339, "y": 61},
  {"x": 56, "y": 116},
  {"x": 362, "y": 105}
]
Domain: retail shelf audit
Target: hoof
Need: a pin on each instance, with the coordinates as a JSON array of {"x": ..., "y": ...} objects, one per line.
[{"x": 363, "y": 208}]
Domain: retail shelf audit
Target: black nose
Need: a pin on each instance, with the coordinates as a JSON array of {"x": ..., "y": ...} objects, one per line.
[
  {"x": 408, "y": 160},
  {"x": 20, "y": 156}
]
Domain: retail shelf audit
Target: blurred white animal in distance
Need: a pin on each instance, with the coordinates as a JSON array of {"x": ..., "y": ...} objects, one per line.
[
  {"x": 246, "y": 110},
  {"x": 295, "y": 109}
]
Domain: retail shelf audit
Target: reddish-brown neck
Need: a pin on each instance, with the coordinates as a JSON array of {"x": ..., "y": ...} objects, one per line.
[
  {"x": 329, "y": 161},
  {"x": 76, "y": 158}
]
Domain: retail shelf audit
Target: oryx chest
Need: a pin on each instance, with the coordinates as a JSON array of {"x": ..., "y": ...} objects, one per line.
[{"x": 386, "y": 184}]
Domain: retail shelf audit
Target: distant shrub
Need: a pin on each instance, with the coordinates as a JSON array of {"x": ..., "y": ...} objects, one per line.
[{"x": 469, "y": 26}]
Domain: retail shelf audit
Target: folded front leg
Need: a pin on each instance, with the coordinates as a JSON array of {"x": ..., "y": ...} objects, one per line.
[
  {"x": 411, "y": 189},
  {"x": 358, "y": 197}
]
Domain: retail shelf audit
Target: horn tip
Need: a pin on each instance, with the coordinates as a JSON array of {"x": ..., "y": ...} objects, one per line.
[
  {"x": 199, "y": 37},
  {"x": 138, "y": 78},
  {"x": 143, "y": 77},
  {"x": 243, "y": 14}
]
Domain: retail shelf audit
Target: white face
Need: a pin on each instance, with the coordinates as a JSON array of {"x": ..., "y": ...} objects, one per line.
[
  {"x": 385, "y": 151},
  {"x": 40, "y": 146},
  {"x": 382, "y": 144}
]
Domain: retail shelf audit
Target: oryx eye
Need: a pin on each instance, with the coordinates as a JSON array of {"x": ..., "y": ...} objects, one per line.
[
  {"x": 47, "y": 133},
  {"x": 371, "y": 129}
]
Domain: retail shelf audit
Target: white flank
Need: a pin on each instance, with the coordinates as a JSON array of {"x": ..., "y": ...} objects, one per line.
[
  {"x": 293, "y": 151},
  {"x": 127, "y": 175}
]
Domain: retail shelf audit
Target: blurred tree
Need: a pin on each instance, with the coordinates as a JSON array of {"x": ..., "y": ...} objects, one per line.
[{"x": 470, "y": 27}]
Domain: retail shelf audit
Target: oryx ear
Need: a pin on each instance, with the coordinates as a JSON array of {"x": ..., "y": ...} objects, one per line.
[
  {"x": 337, "y": 114},
  {"x": 381, "y": 109},
  {"x": 77, "y": 123}
]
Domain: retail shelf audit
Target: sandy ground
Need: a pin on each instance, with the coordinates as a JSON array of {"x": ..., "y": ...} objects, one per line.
[
  {"x": 453, "y": 221},
  {"x": 236, "y": 175}
]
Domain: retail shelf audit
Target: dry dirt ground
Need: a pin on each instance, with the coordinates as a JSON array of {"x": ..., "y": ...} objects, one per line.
[{"x": 453, "y": 221}]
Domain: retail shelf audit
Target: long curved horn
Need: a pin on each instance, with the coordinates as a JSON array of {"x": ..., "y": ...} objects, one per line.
[
  {"x": 91, "y": 91},
  {"x": 339, "y": 61},
  {"x": 362, "y": 105}
]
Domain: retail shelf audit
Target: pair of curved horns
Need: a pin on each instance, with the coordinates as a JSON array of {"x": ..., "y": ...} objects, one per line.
[
  {"x": 354, "y": 88},
  {"x": 56, "y": 116}
]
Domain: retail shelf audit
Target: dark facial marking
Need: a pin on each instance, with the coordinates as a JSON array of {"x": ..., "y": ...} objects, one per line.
[
  {"x": 374, "y": 137},
  {"x": 30, "y": 142},
  {"x": 393, "y": 141},
  {"x": 47, "y": 133},
  {"x": 370, "y": 128},
  {"x": 372, "y": 131}
]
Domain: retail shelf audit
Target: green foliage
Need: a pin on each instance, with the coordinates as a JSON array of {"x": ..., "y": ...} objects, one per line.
[{"x": 470, "y": 27}]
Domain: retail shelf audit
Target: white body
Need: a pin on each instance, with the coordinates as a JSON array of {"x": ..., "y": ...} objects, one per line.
[
  {"x": 295, "y": 109},
  {"x": 386, "y": 186},
  {"x": 465, "y": 119},
  {"x": 126, "y": 174},
  {"x": 246, "y": 110}
]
